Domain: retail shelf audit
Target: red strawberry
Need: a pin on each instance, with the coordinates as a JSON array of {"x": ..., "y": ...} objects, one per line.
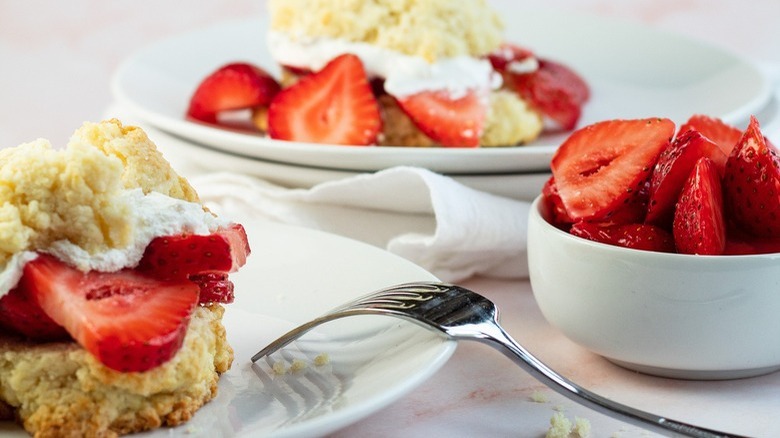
[
  {"x": 506, "y": 54},
  {"x": 557, "y": 212},
  {"x": 741, "y": 244},
  {"x": 334, "y": 105},
  {"x": 554, "y": 90},
  {"x": 635, "y": 236},
  {"x": 215, "y": 287},
  {"x": 752, "y": 184},
  {"x": 600, "y": 167},
  {"x": 232, "y": 87},
  {"x": 21, "y": 314},
  {"x": 178, "y": 257},
  {"x": 450, "y": 122},
  {"x": 699, "y": 226},
  {"x": 723, "y": 135},
  {"x": 674, "y": 165},
  {"x": 129, "y": 322}
]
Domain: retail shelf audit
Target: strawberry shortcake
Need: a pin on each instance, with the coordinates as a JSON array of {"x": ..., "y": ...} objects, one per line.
[
  {"x": 384, "y": 72},
  {"x": 112, "y": 281}
]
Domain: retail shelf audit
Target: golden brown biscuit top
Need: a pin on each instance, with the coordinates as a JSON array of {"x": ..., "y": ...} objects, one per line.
[
  {"x": 431, "y": 29},
  {"x": 49, "y": 194}
]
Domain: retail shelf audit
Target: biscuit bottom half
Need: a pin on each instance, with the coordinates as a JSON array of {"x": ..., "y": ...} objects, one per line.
[{"x": 58, "y": 389}]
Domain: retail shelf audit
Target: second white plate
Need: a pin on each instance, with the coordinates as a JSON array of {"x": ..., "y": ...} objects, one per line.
[{"x": 633, "y": 72}]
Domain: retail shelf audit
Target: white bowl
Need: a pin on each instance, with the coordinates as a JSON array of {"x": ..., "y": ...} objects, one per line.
[{"x": 673, "y": 315}]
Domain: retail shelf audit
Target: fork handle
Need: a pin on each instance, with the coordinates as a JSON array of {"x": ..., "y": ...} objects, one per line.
[{"x": 501, "y": 340}]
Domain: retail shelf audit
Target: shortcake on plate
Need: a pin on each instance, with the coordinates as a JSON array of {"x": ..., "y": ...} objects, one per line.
[
  {"x": 113, "y": 278},
  {"x": 392, "y": 73}
]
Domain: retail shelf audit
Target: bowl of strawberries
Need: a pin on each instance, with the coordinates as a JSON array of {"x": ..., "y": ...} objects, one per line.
[{"x": 658, "y": 248}]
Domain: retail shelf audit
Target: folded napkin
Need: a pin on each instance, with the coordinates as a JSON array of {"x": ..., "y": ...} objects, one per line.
[{"x": 447, "y": 228}]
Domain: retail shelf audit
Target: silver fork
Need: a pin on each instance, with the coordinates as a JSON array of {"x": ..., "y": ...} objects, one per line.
[{"x": 462, "y": 314}]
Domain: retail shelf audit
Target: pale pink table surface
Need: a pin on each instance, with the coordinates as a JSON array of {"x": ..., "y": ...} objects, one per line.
[{"x": 56, "y": 61}]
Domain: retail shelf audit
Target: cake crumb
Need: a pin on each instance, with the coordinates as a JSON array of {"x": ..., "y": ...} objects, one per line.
[
  {"x": 279, "y": 368},
  {"x": 560, "y": 426},
  {"x": 298, "y": 365},
  {"x": 322, "y": 359},
  {"x": 538, "y": 397},
  {"x": 581, "y": 427}
]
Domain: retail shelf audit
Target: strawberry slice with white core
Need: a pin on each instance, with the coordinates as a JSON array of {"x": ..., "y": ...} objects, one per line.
[
  {"x": 451, "y": 121},
  {"x": 599, "y": 167},
  {"x": 178, "y": 257},
  {"x": 128, "y": 321},
  {"x": 511, "y": 57},
  {"x": 232, "y": 87},
  {"x": 335, "y": 105}
]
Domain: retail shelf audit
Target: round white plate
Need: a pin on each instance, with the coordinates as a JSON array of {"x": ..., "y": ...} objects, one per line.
[
  {"x": 633, "y": 72},
  {"x": 191, "y": 159},
  {"x": 294, "y": 275}
]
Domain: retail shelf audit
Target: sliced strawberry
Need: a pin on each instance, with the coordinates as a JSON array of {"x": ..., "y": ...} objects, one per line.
[
  {"x": 215, "y": 287},
  {"x": 752, "y": 184},
  {"x": 129, "y": 322},
  {"x": 179, "y": 257},
  {"x": 722, "y": 134},
  {"x": 334, "y": 105},
  {"x": 674, "y": 165},
  {"x": 600, "y": 167},
  {"x": 20, "y": 313},
  {"x": 742, "y": 244},
  {"x": 450, "y": 122},
  {"x": 508, "y": 54},
  {"x": 557, "y": 212},
  {"x": 699, "y": 226},
  {"x": 231, "y": 87},
  {"x": 554, "y": 90},
  {"x": 635, "y": 236},
  {"x": 632, "y": 211}
]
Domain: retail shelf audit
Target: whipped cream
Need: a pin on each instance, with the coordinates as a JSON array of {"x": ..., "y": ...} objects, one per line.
[
  {"x": 404, "y": 75},
  {"x": 153, "y": 215}
]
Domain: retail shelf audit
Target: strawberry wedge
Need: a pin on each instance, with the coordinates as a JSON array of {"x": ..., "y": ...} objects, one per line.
[
  {"x": 128, "y": 321},
  {"x": 600, "y": 167}
]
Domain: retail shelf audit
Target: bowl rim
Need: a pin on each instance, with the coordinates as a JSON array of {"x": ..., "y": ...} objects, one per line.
[{"x": 536, "y": 211}]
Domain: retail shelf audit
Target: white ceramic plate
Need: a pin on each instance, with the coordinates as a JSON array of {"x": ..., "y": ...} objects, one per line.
[
  {"x": 191, "y": 159},
  {"x": 633, "y": 72},
  {"x": 293, "y": 275}
]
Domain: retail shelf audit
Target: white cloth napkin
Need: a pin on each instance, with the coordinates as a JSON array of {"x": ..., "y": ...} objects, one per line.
[{"x": 447, "y": 228}]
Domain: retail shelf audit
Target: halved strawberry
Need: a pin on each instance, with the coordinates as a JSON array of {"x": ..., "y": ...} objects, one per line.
[
  {"x": 231, "y": 87},
  {"x": 179, "y": 257},
  {"x": 334, "y": 105},
  {"x": 20, "y": 313},
  {"x": 215, "y": 287},
  {"x": 635, "y": 236},
  {"x": 699, "y": 226},
  {"x": 674, "y": 165},
  {"x": 752, "y": 184},
  {"x": 722, "y": 134},
  {"x": 129, "y": 322},
  {"x": 601, "y": 166},
  {"x": 507, "y": 54},
  {"x": 553, "y": 89},
  {"x": 447, "y": 120}
]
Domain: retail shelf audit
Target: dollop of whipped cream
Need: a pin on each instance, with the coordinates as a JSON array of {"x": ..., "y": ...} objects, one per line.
[
  {"x": 153, "y": 215},
  {"x": 404, "y": 75}
]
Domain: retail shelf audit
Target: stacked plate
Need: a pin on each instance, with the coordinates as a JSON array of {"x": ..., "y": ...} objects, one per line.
[{"x": 675, "y": 77}]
